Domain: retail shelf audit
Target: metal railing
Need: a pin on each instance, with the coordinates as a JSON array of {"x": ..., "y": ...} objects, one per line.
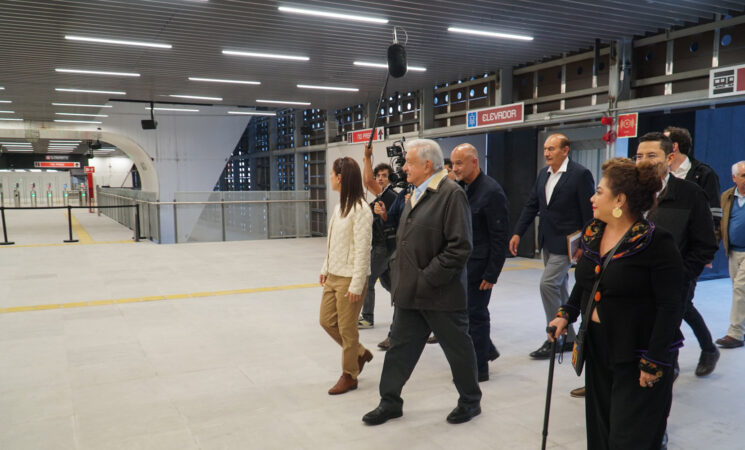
[{"x": 215, "y": 216}]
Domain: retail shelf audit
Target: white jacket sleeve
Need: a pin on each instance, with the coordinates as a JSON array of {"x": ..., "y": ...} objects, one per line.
[{"x": 362, "y": 243}]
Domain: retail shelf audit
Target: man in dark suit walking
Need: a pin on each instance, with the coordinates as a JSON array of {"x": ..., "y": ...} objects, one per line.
[
  {"x": 561, "y": 197},
  {"x": 490, "y": 224},
  {"x": 428, "y": 277}
]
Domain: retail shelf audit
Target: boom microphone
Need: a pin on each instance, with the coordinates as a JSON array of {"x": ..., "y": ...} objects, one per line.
[{"x": 397, "y": 60}]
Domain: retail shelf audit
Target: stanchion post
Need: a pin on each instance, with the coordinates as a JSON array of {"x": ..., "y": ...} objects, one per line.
[
  {"x": 5, "y": 229},
  {"x": 137, "y": 222},
  {"x": 69, "y": 225},
  {"x": 222, "y": 214}
]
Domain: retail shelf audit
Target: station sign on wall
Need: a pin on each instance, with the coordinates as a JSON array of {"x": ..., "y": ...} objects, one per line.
[
  {"x": 362, "y": 136},
  {"x": 627, "y": 125},
  {"x": 496, "y": 115},
  {"x": 724, "y": 81},
  {"x": 56, "y": 164}
]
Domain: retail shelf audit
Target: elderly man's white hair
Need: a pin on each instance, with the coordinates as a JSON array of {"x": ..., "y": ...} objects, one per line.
[
  {"x": 428, "y": 150},
  {"x": 735, "y": 170}
]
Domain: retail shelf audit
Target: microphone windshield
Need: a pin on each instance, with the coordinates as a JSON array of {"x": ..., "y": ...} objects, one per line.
[{"x": 397, "y": 60}]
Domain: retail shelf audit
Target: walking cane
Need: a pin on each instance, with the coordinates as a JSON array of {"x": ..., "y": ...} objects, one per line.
[{"x": 551, "y": 331}]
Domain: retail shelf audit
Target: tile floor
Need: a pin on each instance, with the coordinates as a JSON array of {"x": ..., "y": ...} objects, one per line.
[{"x": 251, "y": 370}]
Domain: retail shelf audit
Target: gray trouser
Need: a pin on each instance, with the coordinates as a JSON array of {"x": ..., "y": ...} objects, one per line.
[
  {"x": 378, "y": 269},
  {"x": 555, "y": 286}
]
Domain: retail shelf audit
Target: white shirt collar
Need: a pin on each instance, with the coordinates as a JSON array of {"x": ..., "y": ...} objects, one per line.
[
  {"x": 562, "y": 169},
  {"x": 682, "y": 169}
]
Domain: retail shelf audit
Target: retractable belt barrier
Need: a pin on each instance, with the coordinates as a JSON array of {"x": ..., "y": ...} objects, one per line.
[{"x": 69, "y": 209}]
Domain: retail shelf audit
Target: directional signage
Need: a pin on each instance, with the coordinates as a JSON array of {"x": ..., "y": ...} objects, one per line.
[
  {"x": 724, "y": 81},
  {"x": 90, "y": 169},
  {"x": 362, "y": 136},
  {"x": 496, "y": 115},
  {"x": 627, "y": 125},
  {"x": 56, "y": 165}
]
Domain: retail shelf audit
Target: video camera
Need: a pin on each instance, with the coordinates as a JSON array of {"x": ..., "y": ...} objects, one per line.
[{"x": 397, "y": 154}]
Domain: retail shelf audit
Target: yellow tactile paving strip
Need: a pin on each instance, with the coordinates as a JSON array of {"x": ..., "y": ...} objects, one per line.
[
  {"x": 79, "y": 231},
  {"x": 14, "y": 309},
  {"x": 520, "y": 265}
]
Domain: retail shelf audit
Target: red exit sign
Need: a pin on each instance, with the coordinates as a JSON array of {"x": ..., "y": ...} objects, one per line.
[{"x": 90, "y": 169}]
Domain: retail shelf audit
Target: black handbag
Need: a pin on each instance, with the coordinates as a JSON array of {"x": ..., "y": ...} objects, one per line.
[{"x": 578, "y": 351}]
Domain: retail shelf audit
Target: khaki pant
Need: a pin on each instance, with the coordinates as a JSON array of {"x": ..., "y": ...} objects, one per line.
[
  {"x": 339, "y": 319},
  {"x": 737, "y": 315}
]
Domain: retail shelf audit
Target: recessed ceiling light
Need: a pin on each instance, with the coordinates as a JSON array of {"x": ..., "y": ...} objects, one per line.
[
  {"x": 86, "y": 115},
  {"x": 253, "y": 113},
  {"x": 333, "y": 15},
  {"x": 197, "y": 97},
  {"x": 77, "y": 121},
  {"x": 385, "y": 66},
  {"x": 265, "y": 55},
  {"x": 81, "y": 105},
  {"x": 117, "y": 42},
  {"x": 7, "y": 112},
  {"x": 98, "y": 72},
  {"x": 8, "y": 118},
  {"x": 493, "y": 34},
  {"x": 219, "y": 80},
  {"x": 173, "y": 109},
  {"x": 327, "y": 88},
  {"x": 6, "y": 101},
  {"x": 89, "y": 91},
  {"x": 283, "y": 102}
]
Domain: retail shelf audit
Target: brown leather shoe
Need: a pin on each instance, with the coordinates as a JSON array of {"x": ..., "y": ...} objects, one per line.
[
  {"x": 385, "y": 344},
  {"x": 729, "y": 342},
  {"x": 345, "y": 383},
  {"x": 578, "y": 393},
  {"x": 361, "y": 360}
]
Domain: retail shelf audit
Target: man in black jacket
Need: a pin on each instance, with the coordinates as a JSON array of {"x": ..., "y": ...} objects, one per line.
[
  {"x": 428, "y": 276},
  {"x": 683, "y": 210},
  {"x": 490, "y": 220},
  {"x": 561, "y": 197}
]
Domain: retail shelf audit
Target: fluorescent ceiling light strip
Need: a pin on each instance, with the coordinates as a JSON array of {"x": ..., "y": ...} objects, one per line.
[
  {"x": 283, "y": 102},
  {"x": 89, "y": 91},
  {"x": 7, "y": 112},
  {"x": 147, "y": 108},
  {"x": 2, "y": 88},
  {"x": 333, "y": 15},
  {"x": 98, "y": 72},
  {"x": 77, "y": 121},
  {"x": 105, "y": 149},
  {"x": 6, "y": 101},
  {"x": 493, "y": 34},
  {"x": 117, "y": 42},
  {"x": 8, "y": 118},
  {"x": 66, "y": 140},
  {"x": 81, "y": 105},
  {"x": 253, "y": 113},
  {"x": 265, "y": 55},
  {"x": 86, "y": 115},
  {"x": 385, "y": 66},
  {"x": 327, "y": 88},
  {"x": 220, "y": 80},
  {"x": 196, "y": 97},
  {"x": 15, "y": 143},
  {"x": 18, "y": 150}
]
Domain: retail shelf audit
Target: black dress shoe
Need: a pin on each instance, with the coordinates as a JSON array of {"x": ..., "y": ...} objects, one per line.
[
  {"x": 544, "y": 352},
  {"x": 707, "y": 362},
  {"x": 381, "y": 415},
  {"x": 483, "y": 376},
  {"x": 463, "y": 414},
  {"x": 493, "y": 354}
]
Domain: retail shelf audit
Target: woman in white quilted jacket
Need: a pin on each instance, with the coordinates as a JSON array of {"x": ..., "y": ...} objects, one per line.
[{"x": 346, "y": 269}]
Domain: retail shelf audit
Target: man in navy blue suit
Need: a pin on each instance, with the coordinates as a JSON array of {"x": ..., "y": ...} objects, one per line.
[
  {"x": 490, "y": 223},
  {"x": 561, "y": 198}
]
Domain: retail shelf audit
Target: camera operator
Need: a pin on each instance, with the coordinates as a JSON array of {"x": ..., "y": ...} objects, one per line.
[{"x": 383, "y": 239}]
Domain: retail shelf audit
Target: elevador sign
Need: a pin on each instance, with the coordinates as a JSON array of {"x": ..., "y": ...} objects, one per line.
[{"x": 494, "y": 116}]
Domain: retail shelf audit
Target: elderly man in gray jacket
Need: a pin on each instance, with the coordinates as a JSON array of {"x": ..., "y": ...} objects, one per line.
[{"x": 428, "y": 275}]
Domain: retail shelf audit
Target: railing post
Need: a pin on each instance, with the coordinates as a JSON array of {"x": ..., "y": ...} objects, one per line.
[
  {"x": 5, "y": 230},
  {"x": 222, "y": 214},
  {"x": 175, "y": 223},
  {"x": 137, "y": 222},
  {"x": 69, "y": 225}
]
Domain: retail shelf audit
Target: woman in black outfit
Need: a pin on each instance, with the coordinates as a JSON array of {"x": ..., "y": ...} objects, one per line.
[{"x": 633, "y": 337}]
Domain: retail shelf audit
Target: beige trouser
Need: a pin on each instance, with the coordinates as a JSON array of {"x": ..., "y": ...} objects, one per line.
[
  {"x": 339, "y": 319},
  {"x": 737, "y": 315}
]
